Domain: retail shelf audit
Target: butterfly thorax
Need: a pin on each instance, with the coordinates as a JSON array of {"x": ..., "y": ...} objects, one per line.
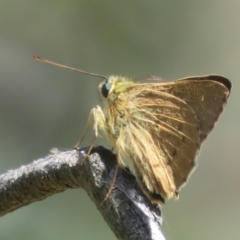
[{"x": 114, "y": 106}]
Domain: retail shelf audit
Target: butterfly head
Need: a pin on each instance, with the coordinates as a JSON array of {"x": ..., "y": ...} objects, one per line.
[{"x": 113, "y": 86}]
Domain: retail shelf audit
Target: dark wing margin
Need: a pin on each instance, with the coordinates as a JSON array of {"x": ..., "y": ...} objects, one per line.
[{"x": 216, "y": 78}]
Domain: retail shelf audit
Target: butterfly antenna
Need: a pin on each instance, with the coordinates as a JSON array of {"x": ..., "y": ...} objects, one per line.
[{"x": 37, "y": 58}]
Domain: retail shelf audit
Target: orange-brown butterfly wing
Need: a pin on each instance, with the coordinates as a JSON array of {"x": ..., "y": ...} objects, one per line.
[{"x": 159, "y": 141}]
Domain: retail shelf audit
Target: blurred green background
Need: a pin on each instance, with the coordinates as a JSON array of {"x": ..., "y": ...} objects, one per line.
[{"x": 42, "y": 106}]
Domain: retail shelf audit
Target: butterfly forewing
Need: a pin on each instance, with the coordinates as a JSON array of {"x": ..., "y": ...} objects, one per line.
[{"x": 161, "y": 137}]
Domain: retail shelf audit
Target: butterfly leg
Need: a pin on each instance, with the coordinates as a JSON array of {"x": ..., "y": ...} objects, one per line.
[
  {"x": 112, "y": 183},
  {"x": 97, "y": 119},
  {"x": 89, "y": 123}
]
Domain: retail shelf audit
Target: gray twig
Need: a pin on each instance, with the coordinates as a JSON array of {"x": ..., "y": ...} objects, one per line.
[{"x": 127, "y": 211}]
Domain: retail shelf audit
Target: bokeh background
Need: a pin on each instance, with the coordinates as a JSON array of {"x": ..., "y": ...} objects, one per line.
[{"x": 42, "y": 106}]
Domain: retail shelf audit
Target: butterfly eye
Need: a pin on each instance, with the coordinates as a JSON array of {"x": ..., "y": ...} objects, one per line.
[{"x": 106, "y": 88}]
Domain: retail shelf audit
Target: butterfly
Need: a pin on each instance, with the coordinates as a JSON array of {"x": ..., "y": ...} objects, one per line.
[{"x": 157, "y": 128}]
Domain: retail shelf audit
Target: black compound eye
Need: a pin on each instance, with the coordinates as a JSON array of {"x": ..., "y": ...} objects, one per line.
[{"x": 106, "y": 87}]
